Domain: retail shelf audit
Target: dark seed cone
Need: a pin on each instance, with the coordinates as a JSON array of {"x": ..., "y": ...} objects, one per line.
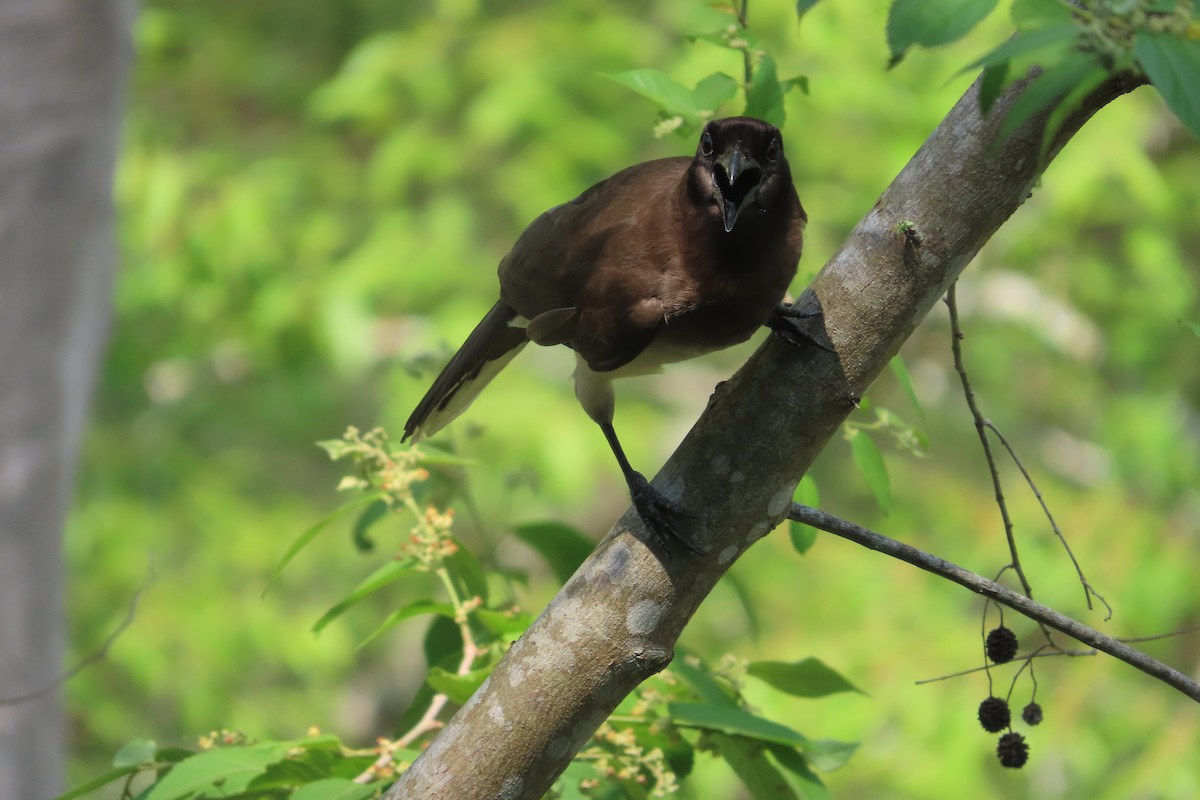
[
  {"x": 1001, "y": 645},
  {"x": 1032, "y": 714},
  {"x": 1012, "y": 750},
  {"x": 994, "y": 715}
]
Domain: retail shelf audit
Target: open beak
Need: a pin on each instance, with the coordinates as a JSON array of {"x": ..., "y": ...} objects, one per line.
[{"x": 737, "y": 179}]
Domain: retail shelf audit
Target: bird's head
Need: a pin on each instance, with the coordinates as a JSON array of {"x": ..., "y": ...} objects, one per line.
[{"x": 739, "y": 165}]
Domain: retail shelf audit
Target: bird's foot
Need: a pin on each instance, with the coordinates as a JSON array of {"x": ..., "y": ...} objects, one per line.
[
  {"x": 800, "y": 325},
  {"x": 661, "y": 514}
]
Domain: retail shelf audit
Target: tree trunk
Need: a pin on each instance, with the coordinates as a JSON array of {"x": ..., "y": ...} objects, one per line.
[
  {"x": 616, "y": 621},
  {"x": 62, "y": 68}
]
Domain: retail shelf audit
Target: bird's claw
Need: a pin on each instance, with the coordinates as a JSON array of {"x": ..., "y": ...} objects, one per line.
[
  {"x": 800, "y": 325},
  {"x": 661, "y": 514}
]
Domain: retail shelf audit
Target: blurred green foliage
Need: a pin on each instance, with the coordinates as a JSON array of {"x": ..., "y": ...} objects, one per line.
[{"x": 313, "y": 198}]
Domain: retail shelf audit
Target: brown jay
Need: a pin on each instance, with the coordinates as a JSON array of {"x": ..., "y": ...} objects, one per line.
[{"x": 662, "y": 262}]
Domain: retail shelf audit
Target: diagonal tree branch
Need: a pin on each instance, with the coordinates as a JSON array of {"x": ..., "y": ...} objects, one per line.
[
  {"x": 1001, "y": 594},
  {"x": 616, "y": 621}
]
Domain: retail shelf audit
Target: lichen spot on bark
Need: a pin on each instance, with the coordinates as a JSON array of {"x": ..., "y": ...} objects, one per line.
[
  {"x": 643, "y": 618},
  {"x": 511, "y": 787},
  {"x": 778, "y": 504}
]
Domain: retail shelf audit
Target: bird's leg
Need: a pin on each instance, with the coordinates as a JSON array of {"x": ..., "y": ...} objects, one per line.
[
  {"x": 800, "y": 324},
  {"x": 658, "y": 512}
]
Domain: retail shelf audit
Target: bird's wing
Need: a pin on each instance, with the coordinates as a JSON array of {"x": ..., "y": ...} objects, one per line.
[{"x": 592, "y": 273}]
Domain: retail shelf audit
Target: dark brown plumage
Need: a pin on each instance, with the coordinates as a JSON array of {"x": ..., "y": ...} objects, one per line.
[{"x": 663, "y": 261}]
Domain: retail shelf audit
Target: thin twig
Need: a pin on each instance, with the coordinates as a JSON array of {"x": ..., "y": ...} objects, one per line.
[
  {"x": 429, "y": 720},
  {"x": 743, "y": 18},
  {"x": 87, "y": 661},
  {"x": 1156, "y": 637},
  {"x": 1054, "y": 650},
  {"x": 1036, "y": 654},
  {"x": 1001, "y": 594},
  {"x": 956, "y": 338},
  {"x": 1089, "y": 591},
  {"x": 1027, "y": 665}
]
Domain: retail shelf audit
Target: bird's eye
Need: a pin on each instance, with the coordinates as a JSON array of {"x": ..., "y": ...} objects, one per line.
[
  {"x": 706, "y": 144},
  {"x": 773, "y": 150}
]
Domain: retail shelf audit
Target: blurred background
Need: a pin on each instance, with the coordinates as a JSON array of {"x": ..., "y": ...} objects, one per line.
[{"x": 313, "y": 198}]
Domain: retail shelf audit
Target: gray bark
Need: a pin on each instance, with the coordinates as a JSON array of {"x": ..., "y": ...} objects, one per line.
[
  {"x": 616, "y": 621},
  {"x": 62, "y": 67}
]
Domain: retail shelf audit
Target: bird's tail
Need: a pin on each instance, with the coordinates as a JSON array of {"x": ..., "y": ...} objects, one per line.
[{"x": 488, "y": 349}]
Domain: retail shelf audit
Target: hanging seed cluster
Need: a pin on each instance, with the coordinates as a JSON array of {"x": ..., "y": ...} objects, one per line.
[{"x": 1000, "y": 647}]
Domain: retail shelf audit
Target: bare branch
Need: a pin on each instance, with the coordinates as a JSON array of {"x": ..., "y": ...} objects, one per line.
[
  {"x": 1089, "y": 591},
  {"x": 981, "y": 423},
  {"x": 97, "y": 655},
  {"x": 1001, "y": 594}
]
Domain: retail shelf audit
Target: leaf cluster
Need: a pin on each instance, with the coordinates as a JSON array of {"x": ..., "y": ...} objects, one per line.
[
  {"x": 1066, "y": 50},
  {"x": 647, "y": 746},
  {"x": 682, "y": 110}
]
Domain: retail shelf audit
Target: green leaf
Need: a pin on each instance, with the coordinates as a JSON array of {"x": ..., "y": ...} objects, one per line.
[
  {"x": 920, "y": 22},
  {"x": 502, "y": 623},
  {"x": 467, "y": 573},
  {"x": 710, "y": 690},
  {"x": 760, "y": 777},
  {"x": 1071, "y": 101},
  {"x": 1046, "y": 90},
  {"x": 564, "y": 548},
  {"x": 991, "y": 84},
  {"x": 89, "y": 786},
  {"x": 1194, "y": 327},
  {"x": 803, "y": 7},
  {"x": 443, "y": 644},
  {"x": 869, "y": 461},
  {"x": 810, "y": 677},
  {"x": 1173, "y": 65},
  {"x": 420, "y": 701},
  {"x": 905, "y": 380},
  {"x": 1031, "y": 14},
  {"x": 569, "y": 785},
  {"x": 829, "y": 754},
  {"x": 711, "y": 92},
  {"x": 1059, "y": 37},
  {"x": 304, "y": 539},
  {"x": 232, "y": 767},
  {"x": 288, "y": 774},
  {"x": 413, "y": 609},
  {"x": 322, "y": 741},
  {"x": 172, "y": 755},
  {"x": 368, "y": 517},
  {"x": 668, "y": 93},
  {"x": 797, "y": 773},
  {"x": 387, "y": 574},
  {"x": 334, "y": 789},
  {"x": 764, "y": 95},
  {"x": 799, "y": 82},
  {"x": 824, "y": 754},
  {"x": 458, "y": 688},
  {"x": 734, "y": 721},
  {"x": 804, "y": 536},
  {"x": 136, "y": 753}
]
